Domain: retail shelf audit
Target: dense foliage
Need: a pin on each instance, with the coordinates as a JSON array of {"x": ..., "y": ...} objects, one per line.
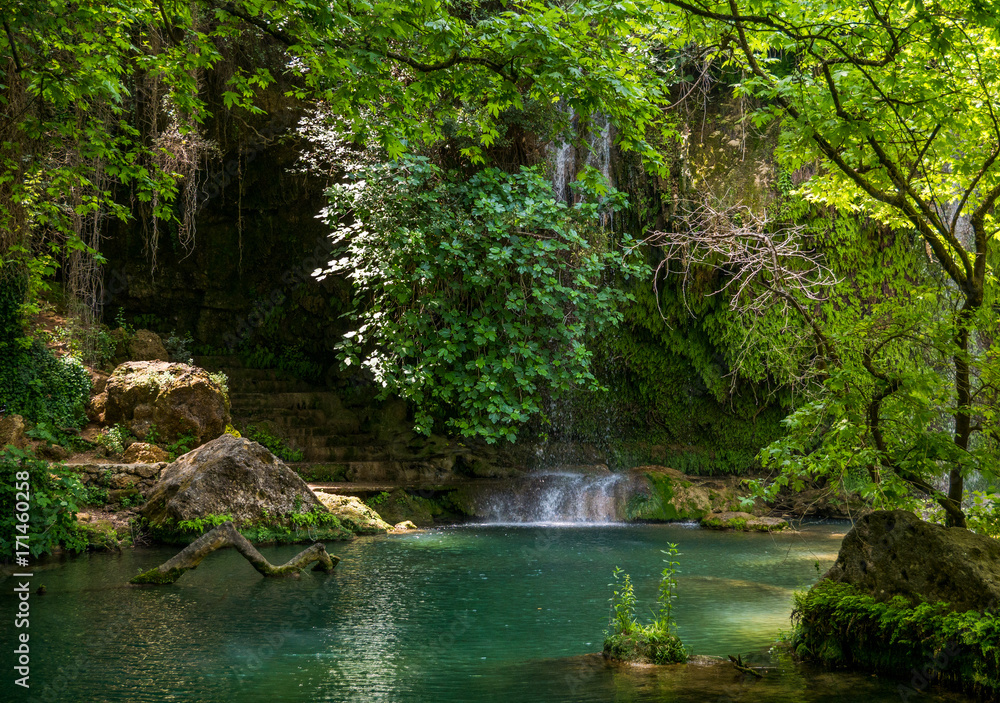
[
  {"x": 81, "y": 79},
  {"x": 838, "y": 626},
  {"x": 898, "y": 103},
  {"x": 33, "y": 382},
  {"x": 477, "y": 295},
  {"x": 54, "y": 494}
]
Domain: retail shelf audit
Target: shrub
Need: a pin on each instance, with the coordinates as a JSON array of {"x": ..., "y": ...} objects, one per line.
[
  {"x": 481, "y": 294},
  {"x": 42, "y": 388},
  {"x": 179, "y": 348},
  {"x": 53, "y": 494},
  {"x": 33, "y": 382},
  {"x": 114, "y": 440},
  {"x": 984, "y": 514}
]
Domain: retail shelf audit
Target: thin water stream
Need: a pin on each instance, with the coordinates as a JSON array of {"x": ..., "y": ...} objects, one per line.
[{"x": 461, "y": 614}]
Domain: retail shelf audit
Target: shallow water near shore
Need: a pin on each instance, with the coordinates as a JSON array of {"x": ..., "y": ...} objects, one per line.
[{"x": 472, "y": 613}]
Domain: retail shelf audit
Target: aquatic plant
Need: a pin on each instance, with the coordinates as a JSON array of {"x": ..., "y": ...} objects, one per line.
[{"x": 628, "y": 639}]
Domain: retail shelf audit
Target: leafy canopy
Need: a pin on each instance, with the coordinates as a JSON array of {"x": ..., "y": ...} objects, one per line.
[{"x": 896, "y": 107}]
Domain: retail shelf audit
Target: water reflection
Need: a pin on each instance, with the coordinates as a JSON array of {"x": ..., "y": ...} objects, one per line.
[{"x": 484, "y": 614}]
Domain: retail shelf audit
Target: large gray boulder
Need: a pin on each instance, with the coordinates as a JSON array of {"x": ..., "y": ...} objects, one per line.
[
  {"x": 895, "y": 553},
  {"x": 228, "y": 476},
  {"x": 177, "y": 399}
]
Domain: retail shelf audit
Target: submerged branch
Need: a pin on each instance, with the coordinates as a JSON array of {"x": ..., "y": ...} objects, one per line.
[{"x": 227, "y": 535}]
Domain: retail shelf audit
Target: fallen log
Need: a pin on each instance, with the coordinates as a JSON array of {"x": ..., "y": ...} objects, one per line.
[{"x": 226, "y": 535}]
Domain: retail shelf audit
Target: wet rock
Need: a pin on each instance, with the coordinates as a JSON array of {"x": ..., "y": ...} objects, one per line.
[
  {"x": 177, "y": 399},
  {"x": 147, "y": 346},
  {"x": 895, "y": 553},
  {"x": 143, "y": 453},
  {"x": 743, "y": 522},
  {"x": 228, "y": 476},
  {"x": 400, "y": 506},
  {"x": 664, "y": 494},
  {"x": 12, "y": 431},
  {"x": 404, "y": 526},
  {"x": 354, "y": 514}
]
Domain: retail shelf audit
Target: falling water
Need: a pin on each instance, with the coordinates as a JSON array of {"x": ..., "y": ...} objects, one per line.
[
  {"x": 599, "y": 145},
  {"x": 596, "y": 153},
  {"x": 564, "y": 165},
  {"x": 557, "y": 498}
]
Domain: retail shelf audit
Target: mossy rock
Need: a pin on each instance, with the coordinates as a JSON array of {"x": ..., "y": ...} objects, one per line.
[
  {"x": 102, "y": 535},
  {"x": 354, "y": 515},
  {"x": 840, "y": 625},
  {"x": 277, "y": 530},
  {"x": 665, "y": 495},
  {"x": 645, "y": 648},
  {"x": 401, "y": 506},
  {"x": 743, "y": 522}
]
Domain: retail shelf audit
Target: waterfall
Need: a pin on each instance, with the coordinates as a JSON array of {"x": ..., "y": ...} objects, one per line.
[
  {"x": 563, "y": 156},
  {"x": 596, "y": 152},
  {"x": 556, "y": 497}
]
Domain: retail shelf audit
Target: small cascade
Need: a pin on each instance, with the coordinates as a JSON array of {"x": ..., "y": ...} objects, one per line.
[
  {"x": 557, "y": 498},
  {"x": 563, "y": 166},
  {"x": 568, "y": 158}
]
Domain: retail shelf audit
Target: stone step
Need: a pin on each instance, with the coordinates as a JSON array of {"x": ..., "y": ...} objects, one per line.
[
  {"x": 284, "y": 399},
  {"x": 218, "y": 362},
  {"x": 269, "y": 386}
]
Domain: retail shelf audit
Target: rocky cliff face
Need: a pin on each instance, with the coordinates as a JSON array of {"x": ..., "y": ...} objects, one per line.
[{"x": 248, "y": 278}]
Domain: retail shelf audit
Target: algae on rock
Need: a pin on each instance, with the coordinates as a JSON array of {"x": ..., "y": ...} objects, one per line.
[
  {"x": 353, "y": 514},
  {"x": 662, "y": 494}
]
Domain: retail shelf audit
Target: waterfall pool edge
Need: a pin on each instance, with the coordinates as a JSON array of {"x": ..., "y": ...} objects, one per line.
[{"x": 453, "y": 614}]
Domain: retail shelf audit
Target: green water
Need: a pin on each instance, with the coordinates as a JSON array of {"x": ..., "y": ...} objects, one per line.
[{"x": 460, "y": 614}]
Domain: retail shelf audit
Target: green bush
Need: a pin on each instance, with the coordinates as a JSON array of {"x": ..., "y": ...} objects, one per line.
[
  {"x": 33, "y": 382},
  {"x": 42, "y": 388},
  {"x": 53, "y": 494},
  {"x": 478, "y": 296},
  {"x": 984, "y": 514},
  {"x": 114, "y": 440}
]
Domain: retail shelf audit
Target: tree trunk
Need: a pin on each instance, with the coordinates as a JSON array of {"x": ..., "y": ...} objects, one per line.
[
  {"x": 226, "y": 535},
  {"x": 963, "y": 411}
]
